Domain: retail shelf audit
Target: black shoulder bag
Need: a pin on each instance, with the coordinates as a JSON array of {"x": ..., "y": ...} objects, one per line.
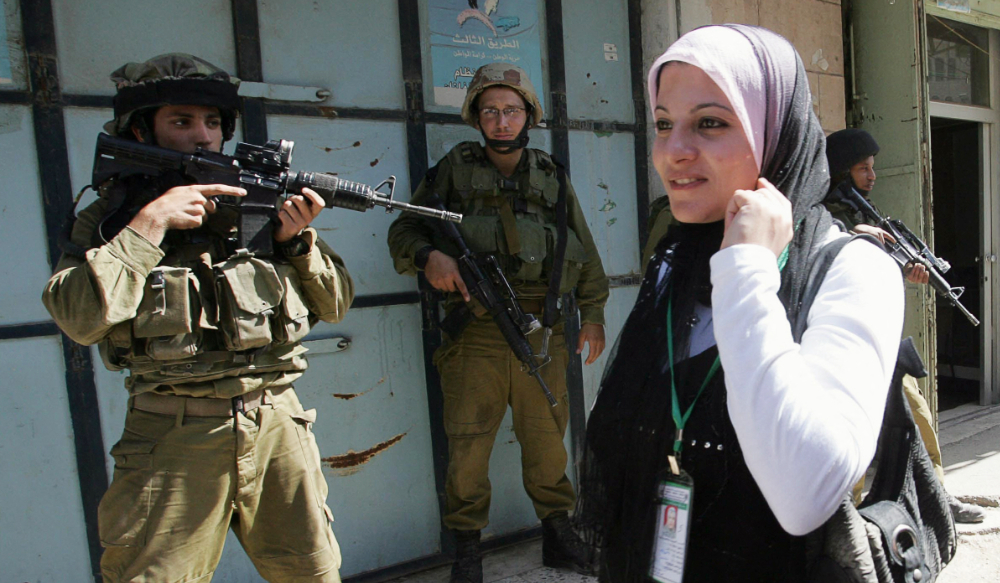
[{"x": 903, "y": 531}]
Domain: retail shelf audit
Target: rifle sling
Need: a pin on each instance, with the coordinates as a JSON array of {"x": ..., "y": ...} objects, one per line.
[
  {"x": 510, "y": 227},
  {"x": 551, "y": 312}
]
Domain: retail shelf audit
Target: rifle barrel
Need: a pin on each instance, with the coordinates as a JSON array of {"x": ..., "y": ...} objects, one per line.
[
  {"x": 958, "y": 305},
  {"x": 420, "y": 210},
  {"x": 545, "y": 388}
]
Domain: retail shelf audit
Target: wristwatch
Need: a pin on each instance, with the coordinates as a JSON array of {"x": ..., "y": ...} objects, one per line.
[
  {"x": 294, "y": 247},
  {"x": 422, "y": 255}
]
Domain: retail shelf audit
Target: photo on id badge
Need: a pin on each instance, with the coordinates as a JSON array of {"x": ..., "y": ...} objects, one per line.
[{"x": 675, "y": 494}]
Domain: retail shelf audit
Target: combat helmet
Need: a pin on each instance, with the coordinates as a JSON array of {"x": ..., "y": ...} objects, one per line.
[
  {"x": 171, "y": 79},
  {"x": 506, "y": 75}
]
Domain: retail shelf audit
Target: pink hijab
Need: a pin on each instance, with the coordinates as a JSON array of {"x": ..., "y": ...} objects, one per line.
[{"x": 759, "y": 86}]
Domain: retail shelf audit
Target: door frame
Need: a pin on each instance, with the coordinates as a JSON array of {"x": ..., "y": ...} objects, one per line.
[{"x": 988, "y": 119}]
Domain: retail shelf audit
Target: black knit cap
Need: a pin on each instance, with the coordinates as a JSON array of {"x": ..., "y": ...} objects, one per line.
[{"x": 846, "y": 148}]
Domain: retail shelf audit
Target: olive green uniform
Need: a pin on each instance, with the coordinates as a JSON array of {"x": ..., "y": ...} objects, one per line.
[
  {"x": 660, "y": 219},
  {"x": 922, "y": 413},
  {"x": 513, "y": 218},
  {"x": 196, "y": 329}
]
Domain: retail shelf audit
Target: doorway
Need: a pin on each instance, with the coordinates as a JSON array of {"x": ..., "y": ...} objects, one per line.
[{"x": 957, "y": 178}]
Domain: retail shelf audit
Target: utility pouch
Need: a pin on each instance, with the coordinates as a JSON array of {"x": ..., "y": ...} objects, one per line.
[
  {"x": 482, "y": 233},
  {"x": 168, "y": 314},
  {"x": 165, "y": 309},
  {"x": 533, "y": 250},
  {"x": 248, "y": 292},
  {"x": 291, "y": 322}
]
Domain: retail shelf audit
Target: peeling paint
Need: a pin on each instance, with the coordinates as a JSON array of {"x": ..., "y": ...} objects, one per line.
[
  {"x": 352, "y": 460},
  {"x": 608, "y": 205},
  {"x": 328, "y": 149},
  {"x": 603, "y": 134},
  {"x": 612, "y": 221},
  {"x": 819, "y": 60},
  {"x": 349, "y": 396}
]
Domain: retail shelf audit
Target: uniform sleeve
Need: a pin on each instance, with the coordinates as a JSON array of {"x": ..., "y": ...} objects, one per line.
[
  {"x": 842, "y": 213},
  {"x": 328, "y": 288},
  {"x": 410, "y": 232},
  {"x": 807, "y": 415},
  {"x": 592, "y": 288},
  {"x": 88, "y": 296},
  {"x": 660, "y": 219}
]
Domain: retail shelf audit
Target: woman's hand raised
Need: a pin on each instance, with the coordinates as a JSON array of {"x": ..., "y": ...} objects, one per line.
[{"x": 759, "y": 217}]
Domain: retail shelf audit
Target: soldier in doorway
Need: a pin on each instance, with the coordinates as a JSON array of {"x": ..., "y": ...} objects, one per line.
[
  {"x": 215, "y": 437},
  {"x": 851, "y": 156},
  {"x": 509, "y": 196}
]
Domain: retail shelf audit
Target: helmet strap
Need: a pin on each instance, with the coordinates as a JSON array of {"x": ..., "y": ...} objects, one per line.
[
  {"x": 519, "y": 142},
  {"x": 141, "y": 123}
]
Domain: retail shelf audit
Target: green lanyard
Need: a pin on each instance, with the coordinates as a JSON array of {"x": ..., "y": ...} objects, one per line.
[{"x": 681, "y": 420}]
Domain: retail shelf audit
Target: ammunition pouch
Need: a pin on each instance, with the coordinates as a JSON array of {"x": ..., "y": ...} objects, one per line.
[{"x": 189, "y": 325}]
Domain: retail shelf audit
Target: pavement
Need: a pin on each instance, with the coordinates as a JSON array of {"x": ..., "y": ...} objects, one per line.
[
  {"x": 970, "y": 447},
  {"x": 970, "y": 444}
]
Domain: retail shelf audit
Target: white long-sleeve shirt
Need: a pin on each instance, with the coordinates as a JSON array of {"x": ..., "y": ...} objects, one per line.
[{"x": 807, "y": 415}]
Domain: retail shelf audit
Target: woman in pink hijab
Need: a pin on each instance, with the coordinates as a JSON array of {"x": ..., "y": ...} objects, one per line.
[{"x": 715, "y": 404}]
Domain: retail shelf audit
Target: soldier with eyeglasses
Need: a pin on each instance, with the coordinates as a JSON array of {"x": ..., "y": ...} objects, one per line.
[{"x": 510, "y": 198}]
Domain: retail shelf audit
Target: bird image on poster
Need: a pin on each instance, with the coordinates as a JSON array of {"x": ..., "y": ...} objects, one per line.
[{"x": 467, "y": 34}]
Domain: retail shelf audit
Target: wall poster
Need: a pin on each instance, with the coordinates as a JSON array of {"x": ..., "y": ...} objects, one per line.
[{"x": 467, "y": 34}]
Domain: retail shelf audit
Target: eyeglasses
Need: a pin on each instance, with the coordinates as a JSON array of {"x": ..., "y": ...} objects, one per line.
[{"x": 494, "y": 113}]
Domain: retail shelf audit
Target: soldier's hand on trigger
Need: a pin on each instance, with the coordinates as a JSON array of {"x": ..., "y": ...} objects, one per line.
[
  {"x": 181, "y": 207},
  {"x": 297, "y": 213},
  {"x": 442, "y": 273}
]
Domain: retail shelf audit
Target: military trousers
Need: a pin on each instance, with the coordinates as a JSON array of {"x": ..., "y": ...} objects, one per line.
[
  {"x": 924, "y": 418},
  {"x": 180, "y": 483},
  {"x": 480, "y": 378}
]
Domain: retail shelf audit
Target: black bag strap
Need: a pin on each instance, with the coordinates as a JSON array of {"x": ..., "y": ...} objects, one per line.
[
  {"x": 821, "y": 263},
  {"x": 551, "y": 311}
]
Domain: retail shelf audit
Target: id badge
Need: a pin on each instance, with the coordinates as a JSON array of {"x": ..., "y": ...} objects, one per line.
[{"x": 675, "y": 495}]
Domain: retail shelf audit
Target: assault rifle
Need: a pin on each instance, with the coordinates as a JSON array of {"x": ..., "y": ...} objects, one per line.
[
  {"x": 486, "y": 283},
  {"x": 908, "y": 249},
  {"x": 261, "y": 170}
]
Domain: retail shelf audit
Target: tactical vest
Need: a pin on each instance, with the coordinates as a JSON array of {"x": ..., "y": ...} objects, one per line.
[
  {"x": 512, "y": 218},
  {"x": 202, "y": 317}
]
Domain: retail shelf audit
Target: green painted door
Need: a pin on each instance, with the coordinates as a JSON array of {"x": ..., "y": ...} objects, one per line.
[{"x": 888, "y": 98}]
